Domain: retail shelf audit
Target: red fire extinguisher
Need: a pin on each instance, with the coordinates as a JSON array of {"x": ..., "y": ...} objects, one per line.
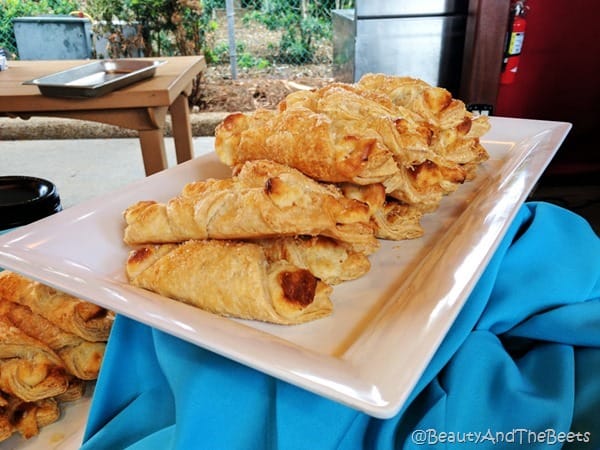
[{"x": 514, "y": 42}]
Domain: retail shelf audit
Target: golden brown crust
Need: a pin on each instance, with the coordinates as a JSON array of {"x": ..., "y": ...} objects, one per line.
[
  {"x": 29, "y": 369},
  {"x": 428, "y": 101},
  {"x": 357, "y": 112},
  {"x": 232, "y": 279},
  {"x": 390, "y": 147},
  {"x": 433, "y": 139},
  {"x": 392, "y": 219},
  {"x": 80, "y": 357},
  {"x": 84, "y": 319},
  {"x": 74, "y": 392},
  {"x": 327, "y": 259},
  {"x": 25, "y": 418},
  {"x": 40, "y": 363},
  {"x": 265, "y": 199},
  {"x": 424, "y": 185},
  {"x": 454, "y": 129},
  {"x": 305, "y": 140}
]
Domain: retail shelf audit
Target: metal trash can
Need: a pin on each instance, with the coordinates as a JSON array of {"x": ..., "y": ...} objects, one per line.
[{"x": 53, "y": 37}]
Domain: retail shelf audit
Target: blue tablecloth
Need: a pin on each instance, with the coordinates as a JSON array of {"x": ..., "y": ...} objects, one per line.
[{"x": 520, "y": 366}]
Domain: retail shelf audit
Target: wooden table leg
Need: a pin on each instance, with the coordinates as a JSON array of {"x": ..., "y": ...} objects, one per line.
[
  {"x": 182, "y": 128},
  {"x": 153, "y": 150}
]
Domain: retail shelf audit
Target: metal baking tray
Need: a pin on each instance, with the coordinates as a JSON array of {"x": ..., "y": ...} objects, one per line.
[{"x": 95, "y": 79}]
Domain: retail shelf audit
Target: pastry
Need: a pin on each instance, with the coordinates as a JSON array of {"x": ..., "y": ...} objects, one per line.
[
  {"x": 29, "y": 369},
  {"x": 432, "y": 139},
  {"x": 41, "y": 364},
  {"x": 328, "y": 260},
  {"x": 76, "y": 316},
  {"x": 25, "y": 418},
  {"x": 308, "y": 141},
  {"x": 355, "y": 111},
  {"x": 6, "y": 426},
  {"x": 315, "y": 184},
  {"x": 81, "y": 358},
  {"x": 455, "y": 131},
  {"x": 435, "y": 104},
  {"x": 264, "y": 199},
  {"x": 424, "y": 185},
  {"x": 231, "y": 279},
  {"x": 391, "y": 218},
  {"x": 74, "y": 392}
]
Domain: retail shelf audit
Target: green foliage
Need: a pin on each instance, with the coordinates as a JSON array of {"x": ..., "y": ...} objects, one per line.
[
  {"x": 210, "y": 5},
  {"x": 107, "y": 10},
  {"x": 168, "y": 27},
  {"x": 302, "y": 28},
  {"x": 271, "y": 22},
  {"x": 245, "y": 60},
  {"x": 220, "y": 52},
  {"x": 10, "y": 9},
  {"x": 248, "y": 61}
]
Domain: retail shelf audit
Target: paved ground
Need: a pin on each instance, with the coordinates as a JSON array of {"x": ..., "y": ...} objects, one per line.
[
  {"x": 85, "y": 159},
  {"x": 84, "y": 168}
]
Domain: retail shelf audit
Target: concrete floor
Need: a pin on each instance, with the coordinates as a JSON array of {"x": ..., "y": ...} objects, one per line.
[{"x": 85, "y": 168}]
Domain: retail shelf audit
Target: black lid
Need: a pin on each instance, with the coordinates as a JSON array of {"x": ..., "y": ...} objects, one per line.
[{"x": 26, "y": 199}]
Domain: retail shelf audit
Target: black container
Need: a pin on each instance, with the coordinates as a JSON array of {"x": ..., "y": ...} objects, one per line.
[{"x": 24, "y": 200}]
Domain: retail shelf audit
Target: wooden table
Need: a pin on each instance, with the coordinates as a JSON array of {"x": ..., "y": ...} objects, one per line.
[{"x": 141, "y": 106}]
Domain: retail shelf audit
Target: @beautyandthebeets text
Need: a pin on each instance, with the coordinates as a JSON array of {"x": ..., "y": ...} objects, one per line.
[{"x": 517, "y": 436}]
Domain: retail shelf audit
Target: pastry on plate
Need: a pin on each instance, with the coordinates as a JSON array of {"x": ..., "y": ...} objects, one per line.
[
  {"x": 264, "y": 199},
  {"x": 76, "y": 316},
  {"x": 81, "y": 358},
  {"x": 29, "y": 369},
  {"x": 306, "y": 140},
  {"x": 25, "y": 418},
  {"x": 329, "y": 260},
  {"x": 455, "y": 131},
  {"x": 391, "y": 218},
  {"x": 415, "y": 139},
  {"x": 230, "y": 278}
]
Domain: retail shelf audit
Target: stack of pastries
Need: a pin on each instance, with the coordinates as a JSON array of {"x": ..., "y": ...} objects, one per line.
[
  {"x": 51, "y": 344},
  {"x": 315, "y": 184}
]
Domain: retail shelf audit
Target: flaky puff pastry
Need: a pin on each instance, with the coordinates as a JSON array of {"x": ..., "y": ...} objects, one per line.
[
  {"x": 424, "y": 186},
  {"x": 432, "y": 160},
  {"x": 81, "y": 358},
  {"x": 309, "y": 141},
  {"x": 329, "y": 260},
  {"x": 264, "y": 199},
  {"x": 231, "y": 279},
  {"x": 25, "y": 418},
  {"x": 435, "y": 104},
  {"x": 84, "y": 319},
  {"x": 359, "y": 112},
  {"x": 74, "y": 392},
  {"x": 392, "y": 219},
  {"x": 6, "y": 425},
  {"x": 455, "y": 131},
  {"x": 29, "y": 369}
]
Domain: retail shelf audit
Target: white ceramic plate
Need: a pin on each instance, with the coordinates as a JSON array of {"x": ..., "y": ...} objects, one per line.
[{"x": 385, "y": 326}]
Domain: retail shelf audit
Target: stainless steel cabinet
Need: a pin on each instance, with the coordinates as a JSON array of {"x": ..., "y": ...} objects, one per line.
[{"x": 422, "y": 39}]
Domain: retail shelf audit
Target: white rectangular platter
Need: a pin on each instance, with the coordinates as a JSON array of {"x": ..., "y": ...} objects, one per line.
[{"x": 385, "y": 327}]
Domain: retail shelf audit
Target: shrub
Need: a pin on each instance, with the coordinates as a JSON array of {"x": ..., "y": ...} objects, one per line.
[{"x": 301, "y": 28}]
